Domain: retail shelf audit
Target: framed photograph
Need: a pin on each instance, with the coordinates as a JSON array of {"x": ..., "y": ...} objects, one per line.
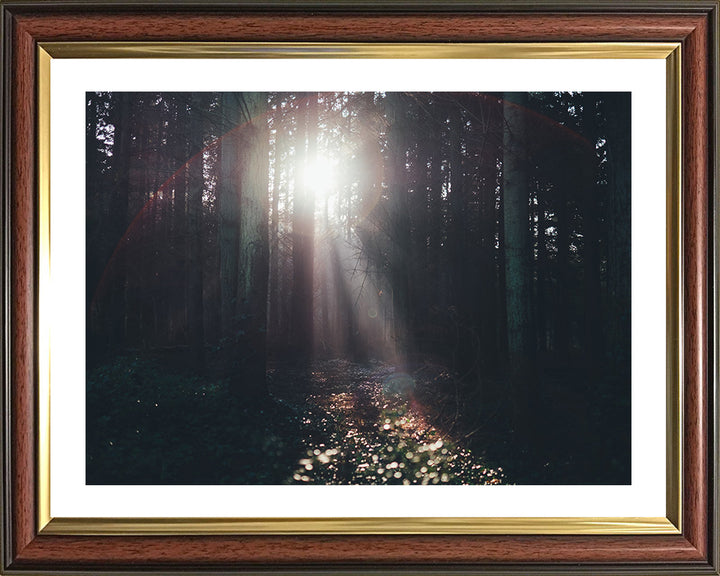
[{"x": 383, "y": 287}]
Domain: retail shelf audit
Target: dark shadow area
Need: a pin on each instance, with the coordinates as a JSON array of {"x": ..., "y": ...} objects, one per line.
[
  {"x": 150, "y": 424},
  {"x": 351, "y": 423}
]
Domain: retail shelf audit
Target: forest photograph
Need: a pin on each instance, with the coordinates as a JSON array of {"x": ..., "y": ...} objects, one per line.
[{"x": 358, "y": 288}]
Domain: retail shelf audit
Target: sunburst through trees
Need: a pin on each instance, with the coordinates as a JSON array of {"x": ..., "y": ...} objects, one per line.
[{"x": 358, "y": 288}]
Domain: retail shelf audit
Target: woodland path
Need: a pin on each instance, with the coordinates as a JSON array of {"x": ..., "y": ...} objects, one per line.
[{"x": 366, "y": 423}]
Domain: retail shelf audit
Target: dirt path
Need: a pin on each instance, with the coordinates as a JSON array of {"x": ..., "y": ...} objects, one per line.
[{"x": 364, "y": 424}]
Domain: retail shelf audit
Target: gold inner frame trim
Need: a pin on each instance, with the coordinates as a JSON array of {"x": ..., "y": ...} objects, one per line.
[
  {"x": 554, "y": 50},
  {"x": 355, "y": 525},
  {"x": 674, "y": 311},
  {"x": 43, "y": 175},
  {"x": 386, "y": 525}
]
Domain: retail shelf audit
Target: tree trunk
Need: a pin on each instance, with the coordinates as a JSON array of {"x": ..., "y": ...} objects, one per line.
[
  {"x": 119, "y": 210},
  {"x": 244, "y": 241},
  {"x": 303, "y": 235},
  {"x": 253, "y": 249},
  {"x": 488, "y": 278},
  {"x": 194, "y": 272},
  {"x": 229, "y": 210},
  {"x": 617, "y": 333},
  {"x": 592, "y": 341},
  {"x": 562, "y": 296},
  {"x": 518, "y": 267},
  {"x": 399, "y": 222},
  {"x": 280, "y": 177},
  {"x": 542, "y": 263},
  {"x": 464, "y": 349}
]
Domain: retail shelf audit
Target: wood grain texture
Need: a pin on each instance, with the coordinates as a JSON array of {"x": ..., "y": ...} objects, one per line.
[
  {"x": 323, "y": 550},
  {"x": 696, "y": 202},
  {"x": 361, "y": 28},
  {"x": 688, "y": 551},
  {"x": 22, "y": 282}
]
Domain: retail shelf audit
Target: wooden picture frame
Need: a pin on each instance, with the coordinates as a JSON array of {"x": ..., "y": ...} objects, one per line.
[{"x": 29, "y": 548}]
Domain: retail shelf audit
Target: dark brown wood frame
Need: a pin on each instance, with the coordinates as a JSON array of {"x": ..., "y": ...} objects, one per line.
[{"x": 693, "y": 23}]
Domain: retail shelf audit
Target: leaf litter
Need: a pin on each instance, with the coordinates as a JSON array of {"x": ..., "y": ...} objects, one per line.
[{"x": 365, "y": 424}]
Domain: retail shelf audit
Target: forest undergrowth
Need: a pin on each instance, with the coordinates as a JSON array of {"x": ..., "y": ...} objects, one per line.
[
  {"x": 327, "y": 422},
  {"x": 367, "y": 424}
]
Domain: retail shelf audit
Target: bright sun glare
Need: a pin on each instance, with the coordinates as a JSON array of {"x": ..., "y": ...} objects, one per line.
[{"x": 321, "y": 176}]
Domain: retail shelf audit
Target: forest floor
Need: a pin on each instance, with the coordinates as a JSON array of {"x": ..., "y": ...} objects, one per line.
[
  {"x": 368, "y": 423},
  {"x": 324, "y": 422}
]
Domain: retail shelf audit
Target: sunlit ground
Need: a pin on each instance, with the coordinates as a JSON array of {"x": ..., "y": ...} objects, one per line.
[{"x": 362, "y": 427}]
